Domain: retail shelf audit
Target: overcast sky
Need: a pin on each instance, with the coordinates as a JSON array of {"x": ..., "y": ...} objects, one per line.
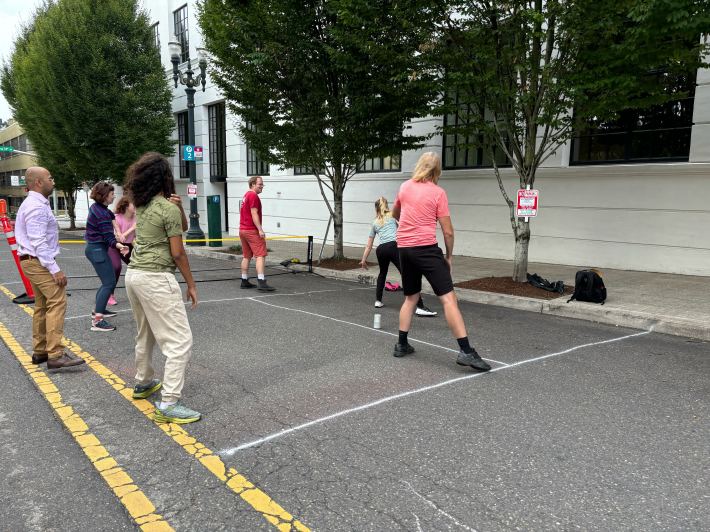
[{"x": 12, "y": 14}]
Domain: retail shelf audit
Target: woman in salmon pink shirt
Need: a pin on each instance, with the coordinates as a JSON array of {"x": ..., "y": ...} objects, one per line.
[{"x": 124, "y": 227}]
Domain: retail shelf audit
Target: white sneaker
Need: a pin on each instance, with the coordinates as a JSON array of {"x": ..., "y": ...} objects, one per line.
[
  {"x": 424, "y": 311},
  {"x": 378, "y": 304}
]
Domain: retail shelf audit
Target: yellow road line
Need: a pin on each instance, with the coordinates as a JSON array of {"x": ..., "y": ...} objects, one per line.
[
  {"x": 191, "y": 240},
  {"x": 255, "y": 497},
  {"x": 139, "y": 506}
]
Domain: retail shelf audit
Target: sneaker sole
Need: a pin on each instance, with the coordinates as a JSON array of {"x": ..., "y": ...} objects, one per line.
[
  {"x": 147, "y": 393},
  {"x": 160, "y": 418},
  {"x": 99, "y": 329},
  {"x": 473, "y": 367},
  {"x": 400, "y": 354},
  {"x": 427, "y": 315}
]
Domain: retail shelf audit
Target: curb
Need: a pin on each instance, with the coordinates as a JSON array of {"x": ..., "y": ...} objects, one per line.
[{"x": 608, "y": 313}]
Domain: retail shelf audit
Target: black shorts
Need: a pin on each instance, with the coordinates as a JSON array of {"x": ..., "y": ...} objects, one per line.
[{"x": 428, "y": 261}]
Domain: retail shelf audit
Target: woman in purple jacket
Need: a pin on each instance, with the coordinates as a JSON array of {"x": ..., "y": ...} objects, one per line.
[{"x": 99, "y": 238}]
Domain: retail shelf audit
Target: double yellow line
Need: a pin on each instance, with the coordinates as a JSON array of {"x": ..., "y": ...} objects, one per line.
[
  {"x": 139, "y": 507},
  {"x": 236, "y": 482},
  {"x": 195, "y": 240}
]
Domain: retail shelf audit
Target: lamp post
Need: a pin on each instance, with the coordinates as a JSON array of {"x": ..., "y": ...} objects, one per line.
[{"x": 190, "y": 80}]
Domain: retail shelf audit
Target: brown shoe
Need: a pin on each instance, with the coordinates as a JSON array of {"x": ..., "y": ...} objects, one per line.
[
  {"x": 39, "y": 358},
  {"x": 64, "y": 361}
]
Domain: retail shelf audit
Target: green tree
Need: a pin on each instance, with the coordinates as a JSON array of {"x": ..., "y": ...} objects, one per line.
[
  {"x": 86, "y": 83},
  {"x": 323, "y": 83},
  {"x": 532, "y": 71}
]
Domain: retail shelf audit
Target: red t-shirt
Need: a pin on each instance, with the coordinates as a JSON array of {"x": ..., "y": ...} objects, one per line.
[
  {"x": 421, "y": 205},
  {"x": 251, "y": 201}
]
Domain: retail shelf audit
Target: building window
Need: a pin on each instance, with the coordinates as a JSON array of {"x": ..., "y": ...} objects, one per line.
[
  {"x": 659, "y": 133},
  {"x": 391, "y": 163},
  {"x": 182, "y": 140},
  {"x": 306, "y": 170},
  {"x": 255, "y": 165},
  {"x": 156, "y": 36},
  {"x": 218, "y": 141},
  {"x": 460, "y": 150},
  {"x": 180, "y": 19}
]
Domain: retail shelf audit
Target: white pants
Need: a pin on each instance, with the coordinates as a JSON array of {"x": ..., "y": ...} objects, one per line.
[{"x": 160, "y": 316}]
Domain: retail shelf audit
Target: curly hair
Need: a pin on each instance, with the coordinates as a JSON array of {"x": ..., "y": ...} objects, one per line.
[
  {"x": 100, "y": 191},
  {"x": 122, "y": 205},
  {"x": 149, "y": 176}
]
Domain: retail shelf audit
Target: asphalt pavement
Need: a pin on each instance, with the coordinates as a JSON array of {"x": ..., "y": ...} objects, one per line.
[{"x": 310, "y": 423}]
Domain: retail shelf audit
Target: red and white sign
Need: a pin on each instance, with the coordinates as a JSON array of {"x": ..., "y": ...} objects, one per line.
[
  {"x": 527, "y": 203},
  {"x": 192, "y": 191},
  {"x": 198, "y": 153}
]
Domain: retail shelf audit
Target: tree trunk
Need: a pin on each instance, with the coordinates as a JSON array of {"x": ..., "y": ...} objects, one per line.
[
  {"x": 338, "y": 223},
  {"x": 520, "y": 262},
  {"x": 70, "y": 198}
]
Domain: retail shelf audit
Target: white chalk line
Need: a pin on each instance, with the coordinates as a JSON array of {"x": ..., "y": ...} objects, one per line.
[
  {"x": 438, "y": 510},
  {"x": 372, "y": 329},
  {"x": 223, "y": 300},
  {"x": 233, "y": 450}
]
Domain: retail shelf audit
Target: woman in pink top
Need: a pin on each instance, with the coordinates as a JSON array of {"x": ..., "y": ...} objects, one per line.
[{"x": 124, "y": 227}]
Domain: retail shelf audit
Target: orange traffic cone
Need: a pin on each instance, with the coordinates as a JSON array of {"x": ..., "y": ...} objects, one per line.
[{"x": 28, "y": 296}]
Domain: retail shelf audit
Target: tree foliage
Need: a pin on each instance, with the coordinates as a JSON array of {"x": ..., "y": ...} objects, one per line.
[
  {"x": 323, "y": 83},
  {"x": 531, "y": 70},
  {"x": 86, "y": 83}
]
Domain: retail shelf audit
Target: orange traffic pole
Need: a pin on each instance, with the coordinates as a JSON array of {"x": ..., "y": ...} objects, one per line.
[{"x": 28, "y": 296}]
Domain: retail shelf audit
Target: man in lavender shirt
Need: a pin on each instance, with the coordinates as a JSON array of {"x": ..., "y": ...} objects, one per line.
[{"x": 37, "y": 236}]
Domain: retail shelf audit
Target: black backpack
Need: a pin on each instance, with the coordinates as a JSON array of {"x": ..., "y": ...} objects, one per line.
[{"x": 588, "y": 286}]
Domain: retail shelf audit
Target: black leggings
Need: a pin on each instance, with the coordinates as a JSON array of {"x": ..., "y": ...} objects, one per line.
[{"x": 387, "y": 253}]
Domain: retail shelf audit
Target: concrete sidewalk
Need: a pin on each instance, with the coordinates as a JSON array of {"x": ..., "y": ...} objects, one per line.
[{"x": 666, "y": 303}]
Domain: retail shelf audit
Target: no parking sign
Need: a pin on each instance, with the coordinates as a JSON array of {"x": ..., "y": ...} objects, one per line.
[{"x": 527, "y": 202}]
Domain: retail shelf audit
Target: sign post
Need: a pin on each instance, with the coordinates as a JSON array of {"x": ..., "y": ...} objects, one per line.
[{"x": 527, "y": 203}]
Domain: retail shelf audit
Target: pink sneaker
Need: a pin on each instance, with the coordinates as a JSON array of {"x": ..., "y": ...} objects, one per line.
[{"x": 112, "y": 300}]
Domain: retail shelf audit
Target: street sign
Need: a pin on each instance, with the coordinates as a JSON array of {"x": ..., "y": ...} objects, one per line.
[
  {"x": 188, "y": 152},
  {"x": 192, "y": 191},
  {"x": 17, "y": 180},
  {"x": 527, "y": 203},
  {"x": 198, "y": 154},
  {"x": 7, "y": 149}
]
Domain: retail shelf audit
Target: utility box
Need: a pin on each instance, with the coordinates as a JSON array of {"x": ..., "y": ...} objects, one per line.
[{"x": 214, "y": 221}]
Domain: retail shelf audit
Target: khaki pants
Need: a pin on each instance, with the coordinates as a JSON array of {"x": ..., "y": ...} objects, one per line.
[
  {"x": 160, "y": 316},
  {"x": 50, "y": 308}
]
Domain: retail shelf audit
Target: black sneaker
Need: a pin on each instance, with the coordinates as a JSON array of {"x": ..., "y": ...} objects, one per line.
[
  {"x": 263, "y": 287},
  {"x": 472, "y": 359},
  {"x": 401, "y": 350},
  {"x": 247, "y": 284}
]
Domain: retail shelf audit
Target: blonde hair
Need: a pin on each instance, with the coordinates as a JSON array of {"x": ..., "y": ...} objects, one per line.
[
  {"x": 382, "y": 210},
  {"x": 428, "y": 168}
]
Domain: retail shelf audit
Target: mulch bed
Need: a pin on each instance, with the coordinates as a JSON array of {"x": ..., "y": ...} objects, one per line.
[
  {"x": 340, "y": 264},
  {"x": 506, "y": 285}
]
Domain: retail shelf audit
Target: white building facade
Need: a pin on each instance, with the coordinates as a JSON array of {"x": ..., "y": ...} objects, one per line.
[{"x": 604, "y": 202}]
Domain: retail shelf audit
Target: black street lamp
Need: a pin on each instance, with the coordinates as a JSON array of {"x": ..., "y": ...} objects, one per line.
[{"x": 190, "y": 81}]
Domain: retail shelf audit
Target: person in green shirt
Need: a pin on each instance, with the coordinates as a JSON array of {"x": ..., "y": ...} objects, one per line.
[{"x": 153, "y": 291}]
